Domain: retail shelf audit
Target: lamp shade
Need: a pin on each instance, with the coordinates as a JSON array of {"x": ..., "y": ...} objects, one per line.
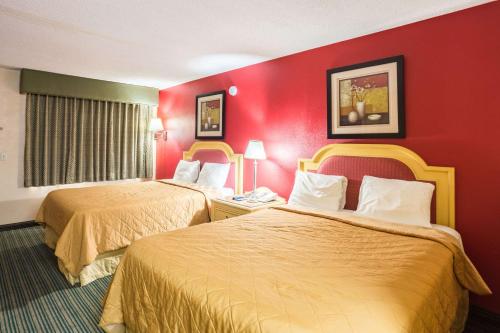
[
  {"x": 156, "y": 125},
  {"x": 255, "y": 150}
]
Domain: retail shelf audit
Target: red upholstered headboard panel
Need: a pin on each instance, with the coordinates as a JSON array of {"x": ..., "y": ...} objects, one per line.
[
  {"x": 216, "y": 156},
  {"x": 354, "y": 168}
]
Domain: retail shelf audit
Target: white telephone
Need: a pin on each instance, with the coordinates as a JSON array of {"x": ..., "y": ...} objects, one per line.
[{"x": 263, "y": 194}]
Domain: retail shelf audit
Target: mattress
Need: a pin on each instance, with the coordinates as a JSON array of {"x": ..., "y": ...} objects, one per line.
[
  {"x": 291, "y": 270},
  {"x": 87, "y": 224}
]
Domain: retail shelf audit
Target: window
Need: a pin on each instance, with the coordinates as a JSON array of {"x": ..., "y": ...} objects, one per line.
[{"x": 72, "y": 140}]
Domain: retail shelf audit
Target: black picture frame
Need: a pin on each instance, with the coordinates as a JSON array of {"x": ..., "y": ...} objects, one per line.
[
  {"x": 197, "y": 135},
  {"x": 399, "y": 60}
]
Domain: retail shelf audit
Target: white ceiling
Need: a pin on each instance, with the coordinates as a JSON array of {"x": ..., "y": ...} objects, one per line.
[{"x": 161, "y": 43}]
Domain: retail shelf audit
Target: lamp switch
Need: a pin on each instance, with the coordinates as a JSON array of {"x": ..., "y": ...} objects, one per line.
[{"x": 3, "y": 156}]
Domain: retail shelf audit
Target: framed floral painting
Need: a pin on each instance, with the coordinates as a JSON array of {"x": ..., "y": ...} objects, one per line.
[
  {"x": 210, "y": 115},
  {"x": 366, "y": 100}
]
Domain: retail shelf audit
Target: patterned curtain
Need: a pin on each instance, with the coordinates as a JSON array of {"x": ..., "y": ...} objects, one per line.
[{"x": 72, "y": 140}]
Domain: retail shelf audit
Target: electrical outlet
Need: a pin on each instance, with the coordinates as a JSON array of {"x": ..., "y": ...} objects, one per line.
[{"x": 3, "y": 156}]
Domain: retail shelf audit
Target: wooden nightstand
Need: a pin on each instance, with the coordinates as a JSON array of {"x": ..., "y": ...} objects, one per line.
[{"x": 225, "y": 208}]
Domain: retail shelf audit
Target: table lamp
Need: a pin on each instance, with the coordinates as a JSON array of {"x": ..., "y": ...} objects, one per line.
[{"x": 255, "y": 151}]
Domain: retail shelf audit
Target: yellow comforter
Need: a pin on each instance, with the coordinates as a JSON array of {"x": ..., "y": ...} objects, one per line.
[
  {"x": 94, "y": 220},
  {"x": 285, "y": 270}
]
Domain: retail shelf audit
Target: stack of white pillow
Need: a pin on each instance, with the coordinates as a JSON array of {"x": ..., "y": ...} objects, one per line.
[
  {"x": 391, "y": 200},
  {"x": 325, "y": 192},
  {"x": 212, "y": 174}
]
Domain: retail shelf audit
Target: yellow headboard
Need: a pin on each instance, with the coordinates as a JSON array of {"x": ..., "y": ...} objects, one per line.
[
  {"x": 237, "y": 159},
  {"x": 442, "y": 177}
]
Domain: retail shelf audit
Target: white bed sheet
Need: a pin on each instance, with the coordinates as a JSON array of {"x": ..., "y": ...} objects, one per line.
[{"x": 443, "y": 228}]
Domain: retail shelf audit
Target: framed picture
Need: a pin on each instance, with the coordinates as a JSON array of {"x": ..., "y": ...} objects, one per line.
[
  {"x": 366, "y": 100},
  {"x": 210, "y": 115}
]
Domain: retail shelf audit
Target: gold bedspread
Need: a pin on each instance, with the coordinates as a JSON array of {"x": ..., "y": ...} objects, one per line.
[
  {"x": 285, "y": 270},
  {"x": 94, "y": 220}
]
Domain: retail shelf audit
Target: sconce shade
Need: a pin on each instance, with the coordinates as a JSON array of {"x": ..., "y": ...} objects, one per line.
[
  {"x": 156, "y": 125},
  {"x": 255, "y": 150}
]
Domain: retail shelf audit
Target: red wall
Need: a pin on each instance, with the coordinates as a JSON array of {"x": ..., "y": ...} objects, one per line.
[{"x": 452, "y": 83}]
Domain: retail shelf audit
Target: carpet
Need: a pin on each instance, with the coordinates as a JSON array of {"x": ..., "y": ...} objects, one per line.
[{"x": 35, "y": 296}]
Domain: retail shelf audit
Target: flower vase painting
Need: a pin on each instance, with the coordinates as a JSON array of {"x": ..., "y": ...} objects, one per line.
[
  {"x": 210, "y": 115},
  {"x": 366, "y": 100},
  {"x": 367, "y": 96}
]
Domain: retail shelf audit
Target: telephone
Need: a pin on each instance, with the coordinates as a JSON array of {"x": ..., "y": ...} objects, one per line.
[{"x": 262, "y": 194}]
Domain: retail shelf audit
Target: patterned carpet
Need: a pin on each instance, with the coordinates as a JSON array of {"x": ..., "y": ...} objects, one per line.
[{"x": 34, "y": 296}]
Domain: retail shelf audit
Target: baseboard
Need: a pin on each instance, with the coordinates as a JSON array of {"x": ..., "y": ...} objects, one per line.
[{"x": 19, "y": 225}]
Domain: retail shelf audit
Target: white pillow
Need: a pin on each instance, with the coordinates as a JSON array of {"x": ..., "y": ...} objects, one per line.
[
  {"x": 394, "y": 200},
  {"x": 214, "y": 174},
  {"x": 187, "y": 171},
  {"x": 314, "y": 190}
]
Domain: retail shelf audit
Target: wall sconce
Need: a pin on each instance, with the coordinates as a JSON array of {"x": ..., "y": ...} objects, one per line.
[
  {"x": 233, "y": 90},
  {"x": 156, "y": 126}
]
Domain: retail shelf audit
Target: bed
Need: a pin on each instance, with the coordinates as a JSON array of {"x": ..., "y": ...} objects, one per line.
[
  {"x": 292, "y": 269},
  {"x": 89, "y": 228}
]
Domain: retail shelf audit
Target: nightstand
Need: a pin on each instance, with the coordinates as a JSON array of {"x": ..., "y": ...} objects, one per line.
[{"x": 225, "y": 208}]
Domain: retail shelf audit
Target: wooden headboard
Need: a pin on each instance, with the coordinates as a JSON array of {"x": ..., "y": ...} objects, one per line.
[
  {"x": 219, "y": 152},
  {"x": 389, "y": 161}
]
